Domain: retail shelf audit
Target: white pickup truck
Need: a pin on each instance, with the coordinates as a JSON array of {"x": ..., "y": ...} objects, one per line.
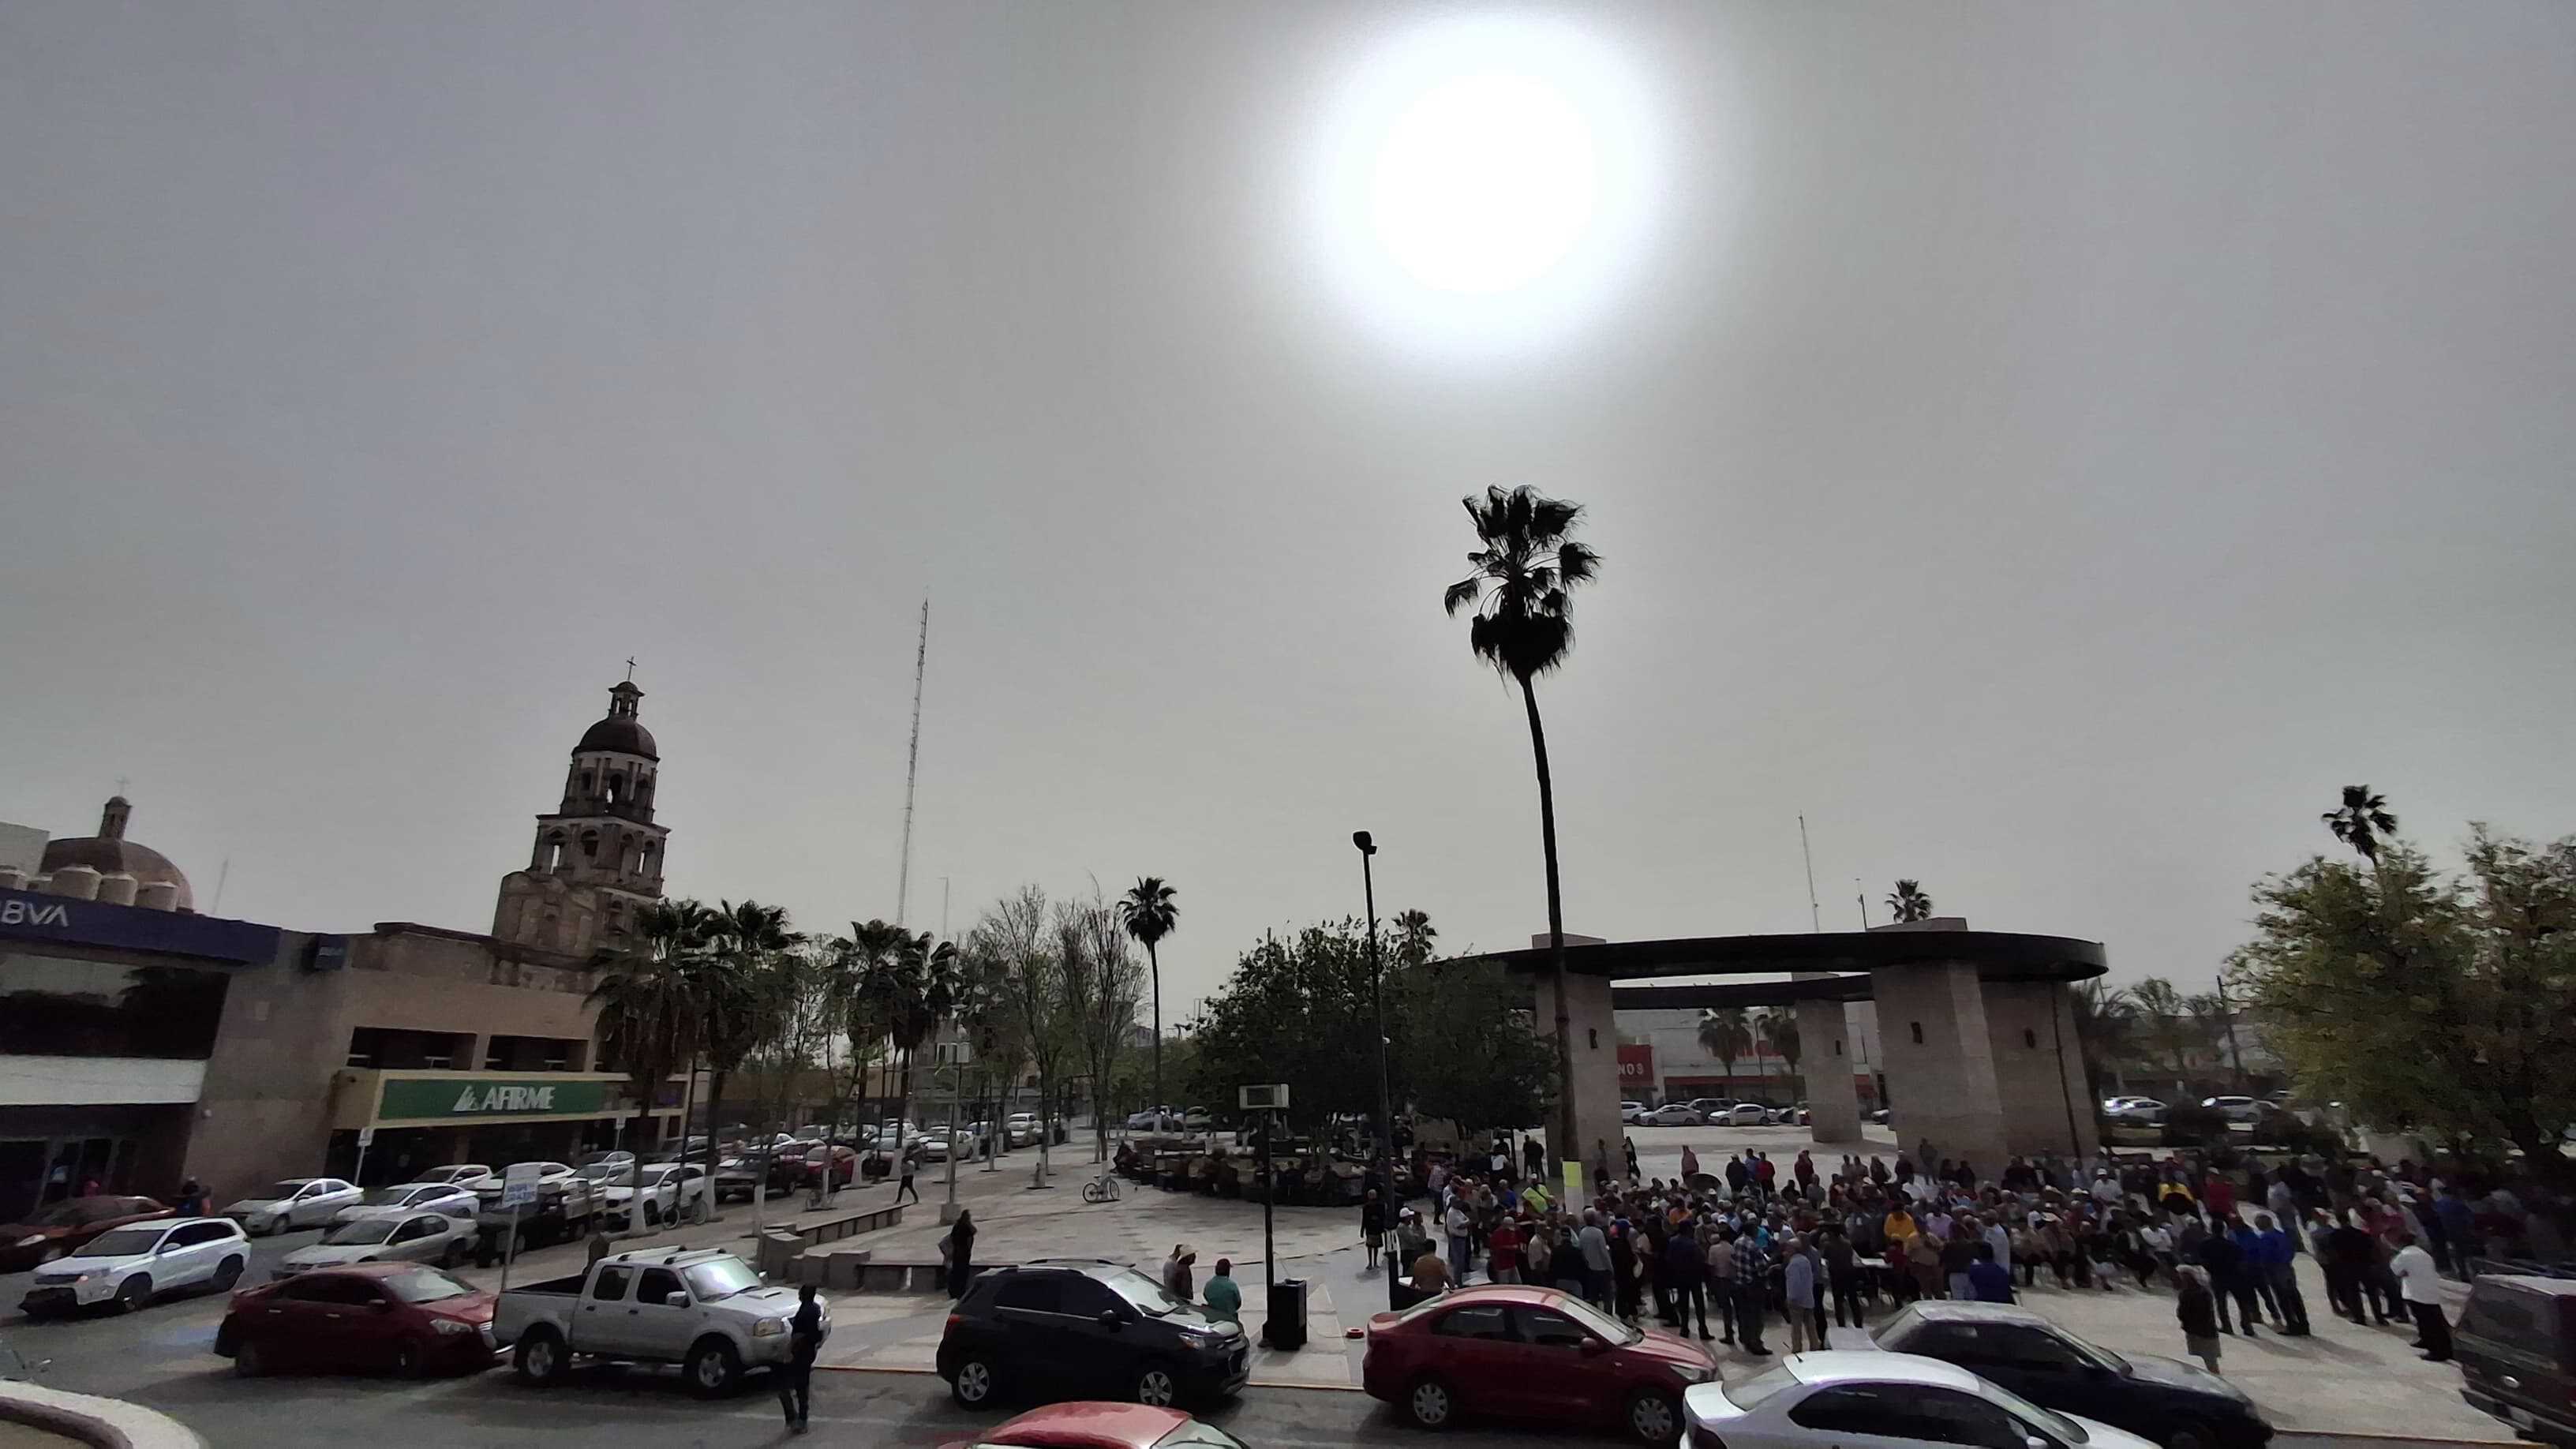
[{"x": 703, "y": 1309}]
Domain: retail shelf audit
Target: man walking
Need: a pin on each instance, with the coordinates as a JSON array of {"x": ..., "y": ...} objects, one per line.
[
  {"x": 796, "y": 1376},
  {"x": 907, "y": 1158},
  {"x": 961, "y": 1254},
  {"x": 2277, "y": 1253},
  {"x": 2419, "y": 1282}
]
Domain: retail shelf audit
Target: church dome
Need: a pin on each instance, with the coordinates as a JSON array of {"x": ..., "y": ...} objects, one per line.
[
  {"x": 621, "y": 731},
  {"x": 109, "y": 852}
]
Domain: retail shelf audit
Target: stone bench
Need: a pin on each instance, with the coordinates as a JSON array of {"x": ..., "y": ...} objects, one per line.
[{"x": 781, "y": 1245}]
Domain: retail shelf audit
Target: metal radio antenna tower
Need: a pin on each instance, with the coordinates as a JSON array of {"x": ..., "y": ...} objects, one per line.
[{"x": 912, "y": 764}]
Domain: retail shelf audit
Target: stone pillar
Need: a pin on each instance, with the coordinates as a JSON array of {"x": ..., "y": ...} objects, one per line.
[
  {"x": 2039, "y": 1069},
  {"x": 1595, "y": 1061},
  {"x": 1825, "y": 1056},
  {"x": 1940, "y": 1062}
]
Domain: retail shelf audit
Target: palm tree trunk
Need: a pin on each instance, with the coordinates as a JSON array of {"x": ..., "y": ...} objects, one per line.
[
  {"x": 715, "y": 1102},
  {"x": 1156, "y": 962},
  {"x": 1566, "y": 1148}
]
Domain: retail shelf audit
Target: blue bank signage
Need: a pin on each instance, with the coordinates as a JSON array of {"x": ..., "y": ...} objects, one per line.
[{"x": 28, "y": 916}]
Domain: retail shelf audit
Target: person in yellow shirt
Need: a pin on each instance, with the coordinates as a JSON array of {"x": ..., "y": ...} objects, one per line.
[{"x": 1899, "y": 1227}]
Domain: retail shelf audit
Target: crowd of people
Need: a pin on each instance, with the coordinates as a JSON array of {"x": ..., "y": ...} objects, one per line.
[{"x": 1753, "y": 1243}]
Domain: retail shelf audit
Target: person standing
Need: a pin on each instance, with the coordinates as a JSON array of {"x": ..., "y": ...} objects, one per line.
[
  {"x": 1988, "y": 1280},
  {"x": 1752, "y": 1285},
  {"x": 908, "y": 1158},
  {"x": 1600, "y": 1165},
  {"x": 1721, "y": 1277},
  {"x": 1533, "y": 1158},
  {"x": 2196, "y": 1309},
  {"x": 1629, "y": 1146},
  {"x": 795, "y": 1378},
  {"x": 1685, "y": 1269},
  {"x": 1455, "y": 1222},
  {"x": 1176, "y": 1271},
  {"x": 1842, "y": 1276},
  {"x": 1595, "y": 1247},
  {"x": 1373, "y": 1226},
  {"x": 961, "y": 1254},
  {"x": 1739, "y": 1178},
  {"x": 2276, "y": 1256},
  {"x": 1798, "y": 1285},
  {"x": 1224, "y": 1295},
  {"x": 1503, "y": 1252},
  {"x": 1690, "y": 1167},
  {"x": 2419, "y": 1281},
  {"x": 1958, "y": 1255}
]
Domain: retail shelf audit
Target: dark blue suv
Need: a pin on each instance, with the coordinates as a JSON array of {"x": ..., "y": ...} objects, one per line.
[{"x": 1089, "y": 1329}]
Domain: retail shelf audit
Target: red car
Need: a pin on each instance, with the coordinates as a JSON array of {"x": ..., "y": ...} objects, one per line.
[
  {"x": 405, "y": 1317},
  {"x": 809, "y": 1165},
  {"x": 1101, "y": 1426},
  {"x": 56, "y": 1231},
  {"x": 1520, "y": 1352}
]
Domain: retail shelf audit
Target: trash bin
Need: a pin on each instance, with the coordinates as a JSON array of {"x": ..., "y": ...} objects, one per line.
[{"x": 1287, "y": 1326}]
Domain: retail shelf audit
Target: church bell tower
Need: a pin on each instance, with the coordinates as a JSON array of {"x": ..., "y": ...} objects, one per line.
[{"x": 597, "y": 861}]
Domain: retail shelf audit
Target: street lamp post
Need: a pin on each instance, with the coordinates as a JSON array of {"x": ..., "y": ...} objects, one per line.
[{"x": 1377, "y": 999}]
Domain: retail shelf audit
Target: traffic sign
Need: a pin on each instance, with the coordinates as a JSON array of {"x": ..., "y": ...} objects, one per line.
[
  {"x": 519, "y": 1184},
  {"x": 366, "y": 1137}
]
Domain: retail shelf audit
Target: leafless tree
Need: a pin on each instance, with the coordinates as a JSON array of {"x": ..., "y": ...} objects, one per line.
[
  {"x": 1018, "y": 942},
  {"x": 1103, "y": 988}
]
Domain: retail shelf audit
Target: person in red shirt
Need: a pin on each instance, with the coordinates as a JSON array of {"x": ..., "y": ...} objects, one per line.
[
  {"x": 2218, "y": 1194},
  {"x": 1765, "y": 1173},
  {"x": 1503, "y": 1252}
]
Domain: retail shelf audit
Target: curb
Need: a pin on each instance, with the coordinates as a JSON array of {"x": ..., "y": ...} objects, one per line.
[
  {"x": 2280, "y": 1434},
  {"x": 106, "y": 1423}
]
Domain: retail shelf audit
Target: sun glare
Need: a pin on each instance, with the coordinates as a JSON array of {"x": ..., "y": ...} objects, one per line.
[{"x": 1482, "y": 182}]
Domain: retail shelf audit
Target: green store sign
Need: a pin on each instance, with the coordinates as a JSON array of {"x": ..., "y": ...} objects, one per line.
[{"x": 406, "y": 1099}]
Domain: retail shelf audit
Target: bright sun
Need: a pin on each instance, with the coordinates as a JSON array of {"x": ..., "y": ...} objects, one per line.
[{"x": 1484, "y": 183}]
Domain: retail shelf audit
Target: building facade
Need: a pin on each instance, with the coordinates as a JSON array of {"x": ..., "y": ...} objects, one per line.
[{"x": 141, "y": 1043}]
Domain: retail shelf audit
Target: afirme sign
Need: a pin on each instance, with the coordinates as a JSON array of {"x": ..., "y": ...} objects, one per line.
[
  {"x": 28, "y": 916},
  {"x": 411, "y": 1099}
]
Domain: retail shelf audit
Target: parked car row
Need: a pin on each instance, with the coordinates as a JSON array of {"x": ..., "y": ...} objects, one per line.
[{"x": 1707, "y": 1111}]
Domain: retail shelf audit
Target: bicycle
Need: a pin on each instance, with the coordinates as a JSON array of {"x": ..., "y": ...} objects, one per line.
[{"x": 1104, "y": 1188}]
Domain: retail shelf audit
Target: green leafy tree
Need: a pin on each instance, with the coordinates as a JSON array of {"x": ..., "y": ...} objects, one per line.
[
  {"x": 909, "y": 984},
  {"x": 1909, "y": 903},
  {"x": 2444, "y": 1004},
  {"x": 652, "y": 1003},
  {"x": 1780, "y": 1028},
  {"x": 1149, "y": 916},
  {"x": 1468, "y": 1051},
  {"x": 1519, "y": 594},
  {"x": 2165, "y": 1026},
  {"x": 2106, "y": 1030},
  {"x": 742, "y": 996}
]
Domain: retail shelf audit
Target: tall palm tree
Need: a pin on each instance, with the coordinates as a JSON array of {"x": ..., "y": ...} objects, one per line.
[
  {"x": 1414, "y": 934},
  {"x": 1726, "y": 1035},
  {"x": 1147, "y": 913},
  {"x": 1780, "y": 1028},
  {"x": 1909, "y": 902},
  {"x": 2106, "y": 1029},
  {"x": 2360, "y": 822},
  {"x": 1524, "y": 569},
  {"x": 651, "y": 1006},
  {"x": 2164, "y": 1019},
  {"x": 748, "y": 939}
]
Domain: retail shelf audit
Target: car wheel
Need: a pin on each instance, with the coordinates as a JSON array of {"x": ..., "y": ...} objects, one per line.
[
  {"x": 249, "y": 1360},
  {"x": 2189, "y": 1434},
  {"x": 407, "y": 1360},
  {"x": 714, "y": 1368},
  {"x": 227, "y": 1275},
  {"x": 1430, "y": 1404},
  {"x": 1654, "y": 1417},
  {"x": 540, "y": 1357},
  {"x": 1157, "y": 1385},
  {"x": 136, "y": 1292},
  {"x": 976, "y": 1383}
]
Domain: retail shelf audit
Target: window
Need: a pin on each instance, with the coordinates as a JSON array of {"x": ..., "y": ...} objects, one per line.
[
  {"x": 416, "y": 1229},
  {"x": 555, "y": 851},
  {"x": 1945, "y": 1416},
  {"x": 612, "y": 1284},
  {"x": 2035, "y": 1349},
  {"x": 1853, "y": 1411},
  {"x": 1090, "y": 1298},
  {"x": 1918, "y": 1032},
  {"x": 1550, "y": 1329},
  {"x": 201, "y": 1233},
  {"x": 61, "y": 1007},
  {"x": 1480, "y": 1321},
  {"x": 335, "y": 1288},
  {"x": 1032, "y": 1292},
  {"x": 616, "y": 788},
  {"x": 658, "y": 1284},
  {"x": 590, "y": 845}
]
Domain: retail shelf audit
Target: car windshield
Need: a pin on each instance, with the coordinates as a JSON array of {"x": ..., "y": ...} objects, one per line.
[
  {"x": 122, "y": 1243},
  {"x": 426, "y": 1285},
  {"x": 1147, "y": 1295},
  {"x": 386, "y": 1196},
  {"x": 1599, "y": 1322},
  {"x": 64, "y": 1215},
  {"x": 1195, "y": 1432},
  {"x": 603, "y": 1171},
  {"x": 1745, "y": 1393},
  {"x": 288, "y": 1188},
  {"x": 719, "y": 1278},
  {"x": 361, "y": 1233}
]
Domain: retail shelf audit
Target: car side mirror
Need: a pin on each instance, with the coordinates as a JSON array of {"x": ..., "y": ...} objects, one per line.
[
  {"x": 1593, "y": 1346},
  {"x": 2033, "y": 1441},
  {"x": 675, "y": 1300},
  {"x": 381, "y": 1305},
  {"x": 1110, "y": 1319}
]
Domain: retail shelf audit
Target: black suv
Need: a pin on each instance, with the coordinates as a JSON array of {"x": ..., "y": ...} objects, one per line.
[
  {"x": 2178, "y": 1405},
  {"x": 1092, "y": 1328},
  {"x": 2516, "y": 1343}
]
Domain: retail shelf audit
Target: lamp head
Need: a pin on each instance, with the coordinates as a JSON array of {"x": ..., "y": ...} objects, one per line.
[{"x": 1361, "y": 839}]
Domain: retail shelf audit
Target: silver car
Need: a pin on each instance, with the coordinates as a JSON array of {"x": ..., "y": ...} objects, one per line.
[
  {"x": 462, "y": 1174},
  {"x": 409, "y": 1198},
  {"x": 420, "y": 1238},
  {"x": 298, "y": 1202}
]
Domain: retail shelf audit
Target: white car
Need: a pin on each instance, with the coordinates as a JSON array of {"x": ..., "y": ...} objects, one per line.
[
  {"x": 462, "y": 1174},
  {"x": 1748, "y": 1114},
  {"x": 672, "y": 1191},
  {"x": 1674, "y": 1114},
  {"x": 1631, "y": 1113},
  {"x": 2238, "y": 1109},
  {"x": 1838, "y": 1400},
  {"x": 130, "y": 1266},
  {"x": 418, "y": 1238},
  {"x": 1020, "y": 1129},
  {"x": 298, "y": 1202},
  {"x": 407, "y": 1199},
  {"x": 2146, "y": 1111}
]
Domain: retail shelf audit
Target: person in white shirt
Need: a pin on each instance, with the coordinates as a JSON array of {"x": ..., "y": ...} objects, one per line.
[
  {"x": 2106, "y": 1188},
  {"x": 2419, "y": 1281},
  {"x": 1460, "y": 1245}
]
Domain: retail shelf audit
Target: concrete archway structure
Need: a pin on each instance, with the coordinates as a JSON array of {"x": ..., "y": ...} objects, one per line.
[{"x": 1976, "y": 1028}]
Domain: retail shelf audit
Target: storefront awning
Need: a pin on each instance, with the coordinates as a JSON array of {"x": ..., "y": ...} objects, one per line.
[{"x": 427, "y": 1098}]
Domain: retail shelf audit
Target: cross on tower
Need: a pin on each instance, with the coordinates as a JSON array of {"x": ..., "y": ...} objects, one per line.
[{"x": 630, "y": 669}]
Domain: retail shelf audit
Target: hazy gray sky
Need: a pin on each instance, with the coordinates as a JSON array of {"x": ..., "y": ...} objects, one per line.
[{"x": 2054, "y": 446}]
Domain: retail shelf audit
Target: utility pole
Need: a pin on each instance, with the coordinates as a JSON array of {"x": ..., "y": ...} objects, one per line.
[
  {"x": 1862, "y": 898},
  {"x": 912, "y": 763},
  {"x": 1815, "y": 916}
]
